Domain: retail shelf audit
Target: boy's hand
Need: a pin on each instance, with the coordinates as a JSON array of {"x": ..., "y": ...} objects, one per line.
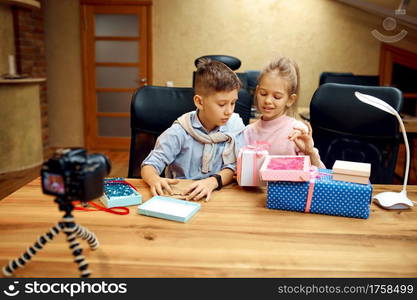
[
  {"x": 158, "y": 184},
  {"x": 201, "y": 188},
  {"x": 302, "y": 139}
]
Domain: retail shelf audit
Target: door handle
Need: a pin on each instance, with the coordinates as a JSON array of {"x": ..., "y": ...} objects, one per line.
[{"x": 142, "y": 81}]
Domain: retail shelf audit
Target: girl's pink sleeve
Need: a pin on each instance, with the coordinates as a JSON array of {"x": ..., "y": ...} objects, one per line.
[{"x": 248, "y": 134}]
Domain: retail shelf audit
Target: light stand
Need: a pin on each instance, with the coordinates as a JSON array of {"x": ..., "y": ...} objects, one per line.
[
  {"x": 391, "y": 200},
  {"x": 71, "y": 229}
]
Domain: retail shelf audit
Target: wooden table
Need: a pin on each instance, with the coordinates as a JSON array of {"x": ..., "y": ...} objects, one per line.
[{"x": 233, "y": 235}]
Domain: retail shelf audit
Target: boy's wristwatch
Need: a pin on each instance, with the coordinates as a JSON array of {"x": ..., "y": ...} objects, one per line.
[{"x": 219, "y": 181}]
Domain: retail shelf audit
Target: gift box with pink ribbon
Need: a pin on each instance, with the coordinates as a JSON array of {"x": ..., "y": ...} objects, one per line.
[
  {"x": 249, "y": 162},
  {"x": 321, "y": 195}
]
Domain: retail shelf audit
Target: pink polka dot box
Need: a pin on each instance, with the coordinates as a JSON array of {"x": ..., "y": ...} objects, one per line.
[{"x": 286, "y": 168}]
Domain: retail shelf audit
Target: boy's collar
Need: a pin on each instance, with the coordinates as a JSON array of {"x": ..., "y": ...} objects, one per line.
[{"x": 196, "y": 123}]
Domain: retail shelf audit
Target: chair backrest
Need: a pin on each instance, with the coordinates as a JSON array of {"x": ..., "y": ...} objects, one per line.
[
  {"x": 348, "y": 78},
  {"x": 153, "y": 110},
  {"x": 244, "y": 105},
  {"x": 344, "y": 128},
  {"x": 230, "y": 61},
  {"x": 253, "y": 76}
]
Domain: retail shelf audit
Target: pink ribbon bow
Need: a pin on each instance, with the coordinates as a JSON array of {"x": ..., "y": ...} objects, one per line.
[
  {"x": 314, "y": 173},
  {"x": 258, "y": 147}
]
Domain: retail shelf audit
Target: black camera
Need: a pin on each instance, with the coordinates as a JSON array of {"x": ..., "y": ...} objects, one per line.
[{"x": 74, "y": 175}]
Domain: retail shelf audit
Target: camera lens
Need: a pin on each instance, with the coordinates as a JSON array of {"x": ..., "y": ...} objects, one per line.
[{"x": 102, "y": 160}]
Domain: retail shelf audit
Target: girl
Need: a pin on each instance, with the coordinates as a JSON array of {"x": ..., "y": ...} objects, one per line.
[{"x": 276, "y": 97}]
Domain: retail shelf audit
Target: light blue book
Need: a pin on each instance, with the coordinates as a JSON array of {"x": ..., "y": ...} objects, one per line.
[
  {"x": 169, "y": 208},
  {"x": 118, "y": 192}
]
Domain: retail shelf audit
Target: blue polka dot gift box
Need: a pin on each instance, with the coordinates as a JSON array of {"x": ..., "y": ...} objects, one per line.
[{"x": 321, "y": 195}]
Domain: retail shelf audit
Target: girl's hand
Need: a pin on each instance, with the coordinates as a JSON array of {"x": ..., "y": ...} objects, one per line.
[
  {"x": 302, "y": 139},
  {"x": 201, "y": 188}
]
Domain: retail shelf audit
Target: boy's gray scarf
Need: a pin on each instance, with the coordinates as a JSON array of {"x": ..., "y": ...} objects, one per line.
[{"x": 210, "y": 140}]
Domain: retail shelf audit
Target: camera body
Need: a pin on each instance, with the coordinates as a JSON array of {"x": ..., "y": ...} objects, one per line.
[{"x": 74, "y": 175}]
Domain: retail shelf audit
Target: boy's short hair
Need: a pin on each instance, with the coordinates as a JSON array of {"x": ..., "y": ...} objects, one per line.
[{"x": 214, "y": 76}]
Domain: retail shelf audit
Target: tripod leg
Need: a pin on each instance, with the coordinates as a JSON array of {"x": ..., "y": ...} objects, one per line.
[
  {"x": 32, "y": 250},
  {"x": 87, "y": 235},
  {"x": 77, "y": 251}
]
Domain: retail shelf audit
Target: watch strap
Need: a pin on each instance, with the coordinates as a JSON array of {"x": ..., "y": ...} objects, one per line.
[{"x": 219, "y": 181}]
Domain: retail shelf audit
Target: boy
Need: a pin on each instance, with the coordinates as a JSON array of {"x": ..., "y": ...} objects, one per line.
[{"x": 202, "y": 144}]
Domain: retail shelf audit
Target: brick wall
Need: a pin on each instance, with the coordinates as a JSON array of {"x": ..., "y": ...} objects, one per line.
[{"x": 30, "y": 57}]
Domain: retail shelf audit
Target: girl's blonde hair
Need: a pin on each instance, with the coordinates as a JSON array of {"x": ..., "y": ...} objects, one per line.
[{"x": 286, "y": 68}]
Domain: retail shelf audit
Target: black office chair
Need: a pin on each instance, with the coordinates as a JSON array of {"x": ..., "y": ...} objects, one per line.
[
  {"x": 344, "y": 128},
  {"x": 348, "y": 78},
  {"x": 153, "y": 110},
  {"x": 244, "y": 105},
  {"x": 232, "y": 62},
  {"x": 253, "y": 76}
]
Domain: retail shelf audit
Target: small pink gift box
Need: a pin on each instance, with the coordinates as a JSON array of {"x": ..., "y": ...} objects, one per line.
[
  {"x": 286, "y": 168},
  {"x": 249, "y": 162}
]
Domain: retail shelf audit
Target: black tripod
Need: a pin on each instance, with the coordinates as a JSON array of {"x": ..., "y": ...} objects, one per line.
[{"x": 71, "y": 229}]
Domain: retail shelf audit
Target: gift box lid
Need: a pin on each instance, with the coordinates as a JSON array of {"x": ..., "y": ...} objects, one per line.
[
  {"x": 286, "y": 168},
  {"x": 352, "y": 168},
  {"x": 169, "y": 208}
]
